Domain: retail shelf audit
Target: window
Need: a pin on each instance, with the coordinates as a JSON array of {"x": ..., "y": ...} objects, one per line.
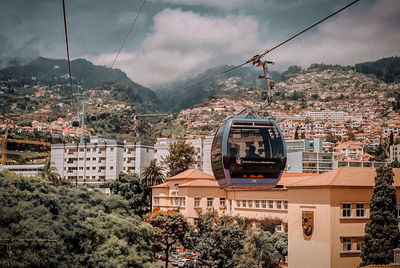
[
  {"x": 264, "y": 203},
  {"x": 398, "y": 209},
  {"x": 181, "y": 201},
  {"x": 238, "y": 203},
  {"x": 210, "y": 201},
  {"x": 197, "y": 202},
  {"x": 111, "y": 168},
  {"x": 244, "y": 203},
  {"x": 285, "y": 204},
  {"x": 278, "y": 228},
  {"x": 346, "y": 244},
  {"x": 360, "y": 210},
  {"x": 257, "y": 203},
  {"x": 222, "y": 202},
  {"x": 156, "y": 201},
  {"x": 250, "y": 202},
  {"x": 279, "y": 204},
  {"x": 359, "y": 244},
  {"x": 196, "y": 221},
  {"x": 346, "y": 210}
]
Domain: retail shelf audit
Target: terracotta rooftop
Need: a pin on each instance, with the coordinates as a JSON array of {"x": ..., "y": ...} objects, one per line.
[
  {"x": 345, "y": 176},
  {"x": 200, "y": 183},
  {"x": 192, "y": 174}
]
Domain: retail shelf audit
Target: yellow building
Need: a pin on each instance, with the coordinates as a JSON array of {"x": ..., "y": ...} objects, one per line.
[
  {"x": 326, "y": 213},
  {"x": 193, "y": 189},
  {"x": 336, "y": 205}
]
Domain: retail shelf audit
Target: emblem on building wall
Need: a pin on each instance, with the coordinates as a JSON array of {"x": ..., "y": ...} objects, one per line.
[{"x": 308, "y": 223}]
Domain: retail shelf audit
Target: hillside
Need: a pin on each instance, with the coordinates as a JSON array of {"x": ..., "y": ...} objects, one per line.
[
  {"x": 225, "y": 85},
  {"x": 386, "y": 69},
  {"x": 246, "y": 78},
  {"x": 84, "y": 74},
  {"x": 40, "y": 91}
]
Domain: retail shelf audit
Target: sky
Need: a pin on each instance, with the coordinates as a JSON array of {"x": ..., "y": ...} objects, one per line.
[{"x": 178, "y": 39}]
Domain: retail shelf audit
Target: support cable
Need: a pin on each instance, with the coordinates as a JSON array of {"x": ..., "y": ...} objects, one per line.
[
  {"x": 66, "y": 42},
  {"x": 126, "y": 37},
  {"x": 255, "y": 59}
]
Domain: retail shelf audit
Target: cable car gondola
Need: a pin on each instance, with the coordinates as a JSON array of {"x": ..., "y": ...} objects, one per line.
[
  {"x": 75, "y": 122},
  {"x": 93, "y": 117},
  {"x": 248, "y": 151}
]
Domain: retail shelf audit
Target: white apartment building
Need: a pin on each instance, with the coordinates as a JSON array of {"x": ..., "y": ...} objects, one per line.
[
  {"x": 327, "y": 115},
  {"x": 202, "y": 147},
  {"x": 395, "y": 153},
  {"x": 136, "y": 155},
  {"x": 98, "y": 161},
  {"x": 25, "y": 170},
  {"x": 307, "y": 156}
]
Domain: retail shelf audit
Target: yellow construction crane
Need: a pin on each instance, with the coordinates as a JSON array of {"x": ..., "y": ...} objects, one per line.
[{"x": 4, "y": 141}]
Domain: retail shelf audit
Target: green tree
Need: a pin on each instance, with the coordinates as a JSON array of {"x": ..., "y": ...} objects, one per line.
[
  {"x": 269, "y": 224},
  {"x": 218, "y": 240},
  {"x": 296, "y": 133},
  {"x": 382, "y": 231},
  {"x": 263, "y": 250},
  {"x": 130, "y": 187},
  {"x": 152, "y": 173},
  {"x": 169, "y": 228},
  {"x": 68, "y": 226},
  {"x": 391, "y": 138},
  {"x": 180, "y": 158},
  {"x": 50, "y": 173},
  {"x": 351, "y": 135},
  {"x": 331, "y": 137}
]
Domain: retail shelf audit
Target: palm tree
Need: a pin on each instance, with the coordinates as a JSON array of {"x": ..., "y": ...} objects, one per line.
[
  {"x": 153, "y": 173},
  {"x": 50, "y": 173}
]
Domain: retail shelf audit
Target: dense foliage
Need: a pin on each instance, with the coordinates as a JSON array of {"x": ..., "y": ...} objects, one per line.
[
  {"x": 382, "y": 231},
  {"x": 261, "y": 249},
  {"x": 386, "y": 69},
  {"x": 219, "y": 241},
  {"x": 130, "y": 187},
  {"x": 169, "y": 228},
  {"x": 68, "y": 227},
  {"x": 181, "y": 157}
]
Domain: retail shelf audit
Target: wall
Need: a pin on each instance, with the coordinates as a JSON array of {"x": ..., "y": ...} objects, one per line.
[{"x": 316, "y": 251}]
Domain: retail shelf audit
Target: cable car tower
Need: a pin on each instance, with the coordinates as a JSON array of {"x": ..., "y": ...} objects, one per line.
[{"x": 75, "y": 122}]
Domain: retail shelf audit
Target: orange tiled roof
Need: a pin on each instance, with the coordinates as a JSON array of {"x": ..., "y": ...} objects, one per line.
[
  {"x": 345, "y": 176},
  {"x": 162, "y": 185},
  {"x": 192, "y": 174},
  {"x": 200, "y": 183}
]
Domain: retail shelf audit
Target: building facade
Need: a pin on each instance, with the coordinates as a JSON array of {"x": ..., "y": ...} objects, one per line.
[
  {"x": 336, "y": 205},
  {"x": 98, "y": 161},
  {"x": 202, "y": 151},
  {"x": 25, "y": 170}
]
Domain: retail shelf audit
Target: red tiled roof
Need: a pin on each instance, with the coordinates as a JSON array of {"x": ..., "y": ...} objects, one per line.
[
  {"x": 192, "y": 174},
  {"x": 345, "y": 176}
]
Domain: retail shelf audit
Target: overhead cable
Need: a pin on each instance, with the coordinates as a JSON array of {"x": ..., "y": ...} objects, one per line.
[
  {"x": 127, "y": 35},
  {"x": 66, "y": 42},
  {"x": 254, "y": 58}
]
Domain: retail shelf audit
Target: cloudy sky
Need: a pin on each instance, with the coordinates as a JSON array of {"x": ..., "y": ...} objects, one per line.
[{"x": 175, "y": 39}]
